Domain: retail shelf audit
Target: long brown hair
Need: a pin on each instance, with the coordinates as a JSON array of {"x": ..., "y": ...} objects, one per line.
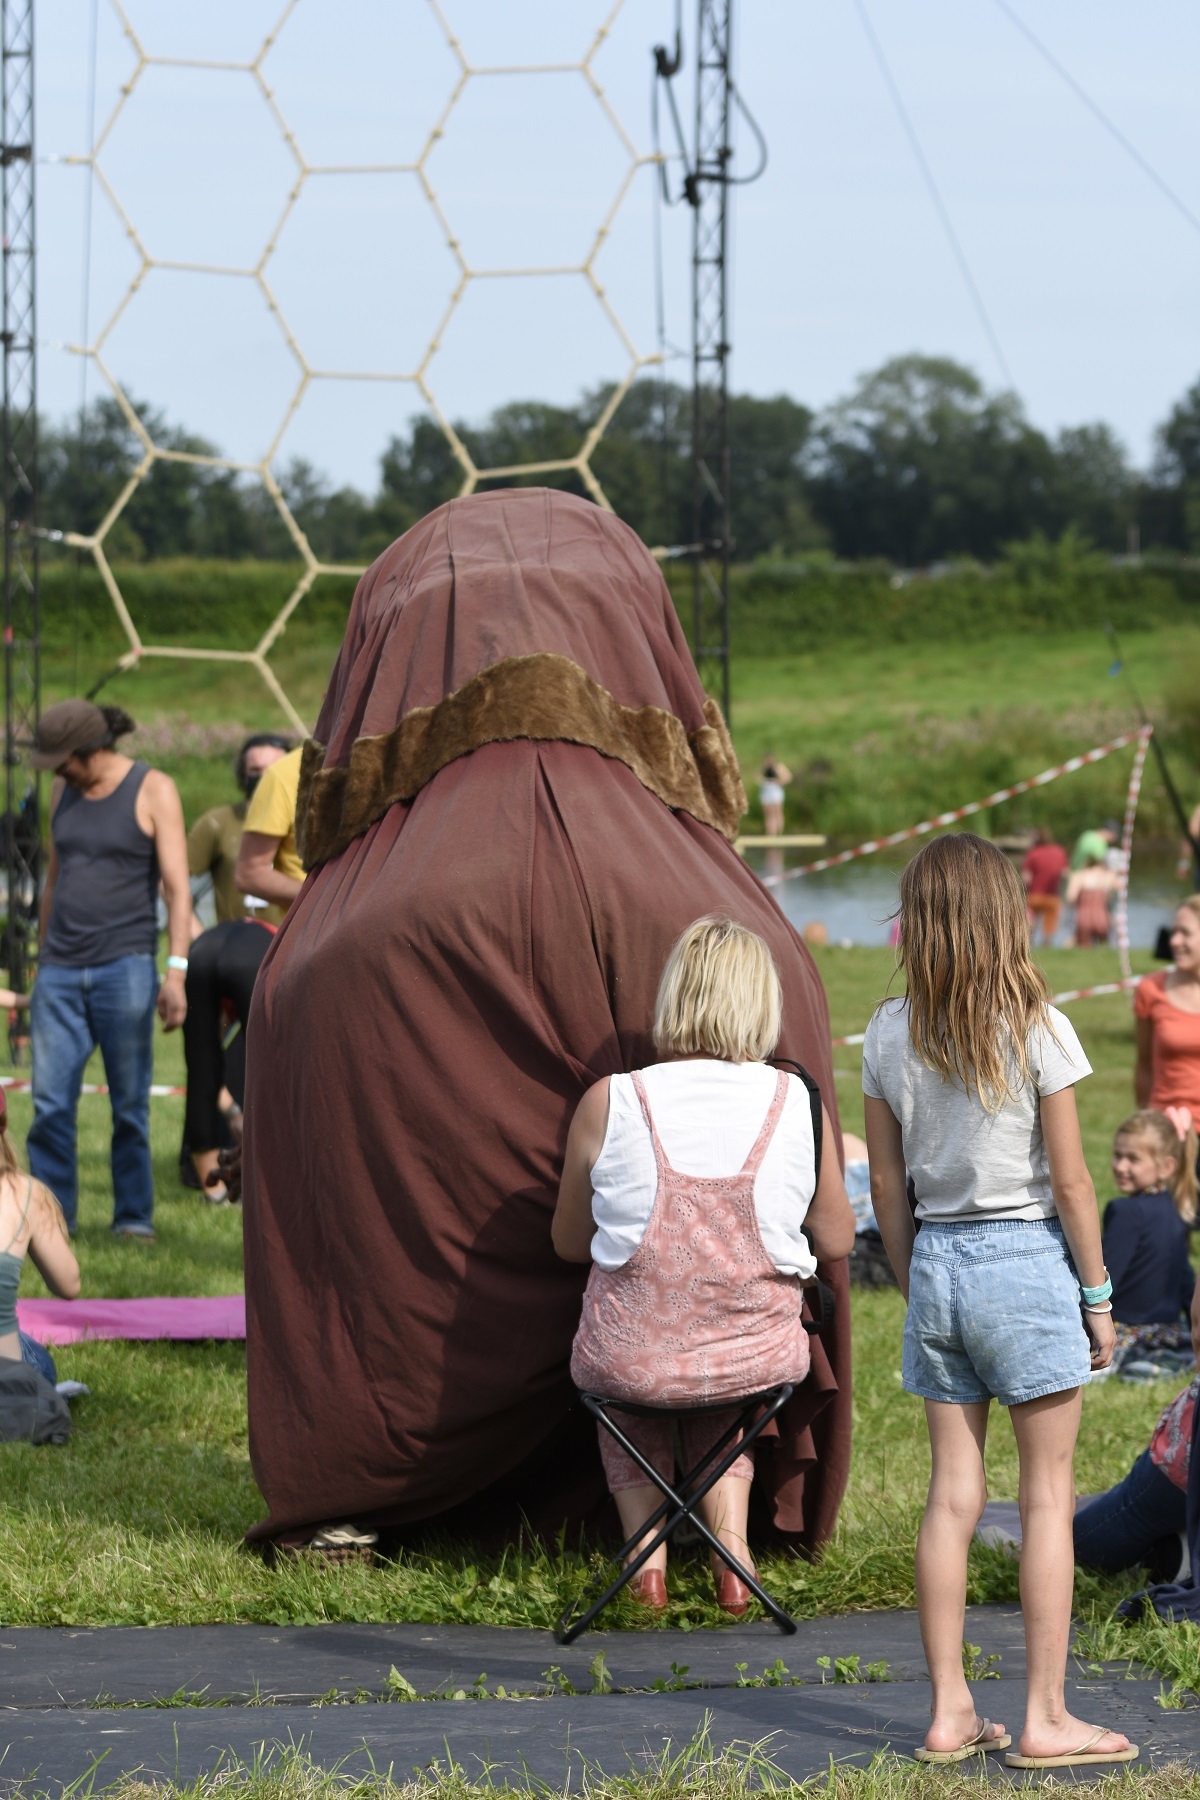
[{"x": 974, "y": 993}]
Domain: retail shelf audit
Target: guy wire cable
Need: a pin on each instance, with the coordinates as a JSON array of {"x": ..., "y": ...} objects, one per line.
[
  {"x": 927, "y": 176},
  {"x": 1099, "y": 114},
  {"x": 1121, "y": 667}
]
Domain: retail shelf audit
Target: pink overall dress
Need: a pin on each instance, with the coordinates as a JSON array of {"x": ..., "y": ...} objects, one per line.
[{"x": 698, "y": 1314}]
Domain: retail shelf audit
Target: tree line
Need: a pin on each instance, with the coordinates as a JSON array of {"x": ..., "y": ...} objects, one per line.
[{"x": 919, "y": 464}]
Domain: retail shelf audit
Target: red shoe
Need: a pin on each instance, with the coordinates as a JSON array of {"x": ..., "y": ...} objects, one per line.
[
  {"x": 733, "y": 1596},
  {"x": 649, "y": 1588}
]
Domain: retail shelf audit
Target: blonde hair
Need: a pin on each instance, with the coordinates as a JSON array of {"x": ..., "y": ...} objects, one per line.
[
  {"x": 974, "y": 992},
  {"x": 1157, "y": 1127},
  {"x": 719, "y": 995},
  {"x": 1190, "y": 904}
]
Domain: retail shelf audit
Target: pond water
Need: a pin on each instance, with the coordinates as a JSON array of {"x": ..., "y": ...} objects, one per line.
[{"x": 856, "y": 901}]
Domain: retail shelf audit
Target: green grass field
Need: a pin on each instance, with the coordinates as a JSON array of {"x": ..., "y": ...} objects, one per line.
[
  {"x": 877, "y": 736},
  {"x": 139, "y": 1518}
]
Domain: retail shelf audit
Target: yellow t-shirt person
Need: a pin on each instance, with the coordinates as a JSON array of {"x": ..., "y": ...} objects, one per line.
[{"x": 272, "y": 811}]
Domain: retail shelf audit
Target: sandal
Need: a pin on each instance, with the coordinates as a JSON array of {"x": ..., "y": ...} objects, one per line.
[
  {"x": 979, "y": 1745},
  {"x": 342, "y": 1544},
  {"x": 1071, "y": 1759}
]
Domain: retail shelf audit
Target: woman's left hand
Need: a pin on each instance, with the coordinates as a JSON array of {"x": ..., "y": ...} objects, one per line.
[{"x": 1103, "y": 1333}]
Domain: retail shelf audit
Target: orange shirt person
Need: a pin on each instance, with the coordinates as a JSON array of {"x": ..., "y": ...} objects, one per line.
[{"x": 1166, "y": 1007}]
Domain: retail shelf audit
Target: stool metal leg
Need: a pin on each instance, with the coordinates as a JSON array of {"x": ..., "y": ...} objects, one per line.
[{"x": 718, "y": 1461}]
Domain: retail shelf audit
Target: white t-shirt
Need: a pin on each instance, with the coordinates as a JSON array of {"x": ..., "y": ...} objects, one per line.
[
  {"x": 708, "y": 1115},
  {"x": 965, "y": 1162}
]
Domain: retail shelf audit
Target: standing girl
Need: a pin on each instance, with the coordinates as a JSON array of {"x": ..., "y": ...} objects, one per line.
[{"x": 969, "y": 1085}]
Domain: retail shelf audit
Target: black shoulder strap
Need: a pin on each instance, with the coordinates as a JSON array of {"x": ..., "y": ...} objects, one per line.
[
  {"x": 820, "y": 1315},
  {"x": 814, "y": 1102}
]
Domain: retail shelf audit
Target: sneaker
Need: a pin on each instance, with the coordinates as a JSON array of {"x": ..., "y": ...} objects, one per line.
[{"x": 143, "y": 1233}]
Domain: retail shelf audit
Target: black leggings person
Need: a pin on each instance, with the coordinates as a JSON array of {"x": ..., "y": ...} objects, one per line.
[{"x": 222, "y": 966}]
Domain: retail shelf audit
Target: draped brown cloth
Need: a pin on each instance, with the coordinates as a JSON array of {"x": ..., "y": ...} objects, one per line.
[{"x": 521, "y": 800}]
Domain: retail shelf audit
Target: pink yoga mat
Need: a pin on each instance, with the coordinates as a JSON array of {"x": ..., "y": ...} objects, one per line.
[{"x": 66, "y": 1321}]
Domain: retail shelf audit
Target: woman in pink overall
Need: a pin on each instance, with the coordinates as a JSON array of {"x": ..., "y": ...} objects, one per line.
[{"x": 687, "y": 1185}]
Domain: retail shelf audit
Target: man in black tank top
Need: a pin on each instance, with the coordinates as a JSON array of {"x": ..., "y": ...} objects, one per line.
[{"x": 116, "y": 832}]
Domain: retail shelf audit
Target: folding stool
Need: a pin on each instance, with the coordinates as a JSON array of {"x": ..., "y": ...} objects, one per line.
[{"x": 676, "y": 1507}]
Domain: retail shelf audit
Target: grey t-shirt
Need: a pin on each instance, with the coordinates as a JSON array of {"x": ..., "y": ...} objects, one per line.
[{"x": 967, "y": 1163}]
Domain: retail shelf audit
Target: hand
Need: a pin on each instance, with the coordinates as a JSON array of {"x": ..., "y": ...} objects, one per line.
[
  {"x": 228, "y": 1171},
  {"x": 1103, "y": 1333},
  {"x": 172, "y": 1000}
]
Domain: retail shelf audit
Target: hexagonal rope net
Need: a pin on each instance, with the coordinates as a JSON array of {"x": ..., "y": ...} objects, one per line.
[{"x": 418, "y": 377}]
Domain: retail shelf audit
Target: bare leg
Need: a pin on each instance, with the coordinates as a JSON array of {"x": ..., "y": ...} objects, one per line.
[
  {"x": 636, "y": 1505},
  {"x": 725, "y": 1509},
  {"x": 1046, "y": 1430},
  {"x": 205, "y": 1162},
  {"x": 957, "y": 1497},
  {"x": 773, "y": 818}
]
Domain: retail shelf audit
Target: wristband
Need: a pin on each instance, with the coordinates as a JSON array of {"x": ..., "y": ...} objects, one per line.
[
  {"x": 1103, "y": 1292},
  {"x": 178, "y": 962},
  {"x": 1105, "y": 1308}
]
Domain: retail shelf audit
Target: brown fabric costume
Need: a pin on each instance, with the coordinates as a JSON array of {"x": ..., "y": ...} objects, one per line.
[{"x": 518, "y": 807}]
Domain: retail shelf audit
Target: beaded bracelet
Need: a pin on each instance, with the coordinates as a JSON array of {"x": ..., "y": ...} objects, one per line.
[{"x": 1093, "y": 1294}]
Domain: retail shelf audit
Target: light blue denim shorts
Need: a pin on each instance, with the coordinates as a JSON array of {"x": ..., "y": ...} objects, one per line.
[{"x": 993, "y": 1313}]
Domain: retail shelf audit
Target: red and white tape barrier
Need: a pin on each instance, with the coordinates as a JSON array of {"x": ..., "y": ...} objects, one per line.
[
  {"x": 961, "y": 812},
  {"x": 1063, "y": 999},
  {"x": 1131, "y": 805}
]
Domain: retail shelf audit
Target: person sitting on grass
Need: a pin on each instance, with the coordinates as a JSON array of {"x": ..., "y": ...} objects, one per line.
[
  {"x": 31, "y": 1224},
  {"x": 1142, "y": 1522},
  {"x": 702, "y": 1195},
  {"x": 1146, "y": 1232},
  {"x": 970, "y": 1087}
]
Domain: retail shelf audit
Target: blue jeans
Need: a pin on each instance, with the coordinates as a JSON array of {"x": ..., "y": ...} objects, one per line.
[
  {"x": 1118, "y": 1530},
  {"x": 73, "y": 1011},
  {"x": 37, "y": 1356}
]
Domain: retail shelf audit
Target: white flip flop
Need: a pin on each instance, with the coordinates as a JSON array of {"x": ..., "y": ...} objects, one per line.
[
  {"x": 979, "y": 1745},
  {"x": 1075, "y": 1758}
]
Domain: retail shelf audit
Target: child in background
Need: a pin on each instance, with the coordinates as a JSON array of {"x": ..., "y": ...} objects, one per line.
[
  {"x": 1146, "y": 1232},
  {"x": 969, "y": 1085},
  {"x": 31, "y": 1223}
]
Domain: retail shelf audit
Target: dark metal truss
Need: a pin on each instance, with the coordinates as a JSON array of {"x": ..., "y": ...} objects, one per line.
[{"x": 19, "y": 447}]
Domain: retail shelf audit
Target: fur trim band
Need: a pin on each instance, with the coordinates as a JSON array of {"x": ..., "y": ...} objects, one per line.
[{"x": 544, "y": 697}]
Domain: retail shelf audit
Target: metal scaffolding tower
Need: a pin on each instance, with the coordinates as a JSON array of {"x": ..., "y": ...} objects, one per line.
[
  {"x": 707, "y": 190},
  {"x": 19, "y": 446},
  {"x": 708, "y": 177}
]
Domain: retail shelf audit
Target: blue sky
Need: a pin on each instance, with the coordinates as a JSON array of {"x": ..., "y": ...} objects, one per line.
[{"x": 1091, "y": 278}]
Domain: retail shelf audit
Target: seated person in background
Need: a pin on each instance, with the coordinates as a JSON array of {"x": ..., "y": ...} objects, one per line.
[
  {"x": 702, "y": 1189},
  {"x": 31, "y": 1223},
  {"x": 215, "y": 838},
  {"x": 1042, "y": 871},
  {"x": 1146, "y": 1231},
  {"x": 1143, "y": 1520},
  {"x": 268, "y": 864},
  {"x": 857, "y": 1176}
]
